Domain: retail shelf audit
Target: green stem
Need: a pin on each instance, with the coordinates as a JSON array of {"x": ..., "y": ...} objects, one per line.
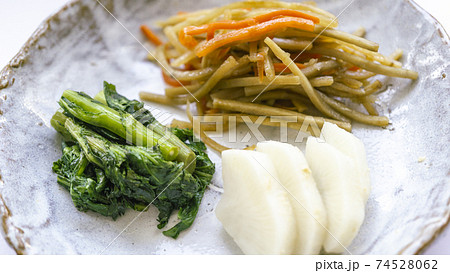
[
  {"x": 185, "y": 154},
  {"x": 57, "y": 123},
  {"x": 63, "y": 182},
  {"x": 123, "y": 124}
]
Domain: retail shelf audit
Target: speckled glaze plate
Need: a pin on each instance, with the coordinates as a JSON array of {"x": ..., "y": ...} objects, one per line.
[{"x": 82, "y": 45}]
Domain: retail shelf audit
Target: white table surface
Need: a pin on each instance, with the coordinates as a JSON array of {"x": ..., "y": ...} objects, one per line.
[{"x": 19, "y": 18}]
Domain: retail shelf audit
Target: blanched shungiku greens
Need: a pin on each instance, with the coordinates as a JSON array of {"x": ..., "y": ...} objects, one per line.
[{"x": 107, "y": 174}]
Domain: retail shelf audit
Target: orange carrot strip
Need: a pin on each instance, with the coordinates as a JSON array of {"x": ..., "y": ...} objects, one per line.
[
  {"x": 171, "y": 81},
  {"x": 150, "y": 35},
  {"x": 193, "y": 30},
  {"x": 209, "y": 35},
  {"x": 210, "y": 28},
  {"x": 187, "y": 40},
  {"x": 186, "y": 34},
  {"x": 255, "y": 32},
  {"x": 279, "y": 67},
  {"x": 286, "y": 12}
]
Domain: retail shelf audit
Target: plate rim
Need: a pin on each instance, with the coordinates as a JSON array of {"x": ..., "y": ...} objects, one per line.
[{"x": 19, "y": 243}]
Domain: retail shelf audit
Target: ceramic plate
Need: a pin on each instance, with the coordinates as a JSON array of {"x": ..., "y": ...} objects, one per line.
[{"x": 82, "y": 45}]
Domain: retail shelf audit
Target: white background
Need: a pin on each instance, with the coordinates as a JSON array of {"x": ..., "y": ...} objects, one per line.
[{"x": 19, "y": 18}]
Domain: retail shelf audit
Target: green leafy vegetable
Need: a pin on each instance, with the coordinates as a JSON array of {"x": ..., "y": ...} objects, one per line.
[
  {"x": 204, "y": 172},
  {"x": 137, "y": 110},
  {"x": 88, "y": 185},
  {"x": 106, "y": 174},
  {"x": 84, "y": 108}
]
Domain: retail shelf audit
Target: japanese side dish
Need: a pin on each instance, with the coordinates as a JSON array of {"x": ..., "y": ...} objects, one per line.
[
  {"x": 243, "y": 60},
  {"x": 228, "y": 127}
]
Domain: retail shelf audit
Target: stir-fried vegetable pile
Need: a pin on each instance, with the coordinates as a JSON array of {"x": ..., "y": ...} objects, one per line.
[
  {"x": 271, "y": 58},
  {"x": 116, "y": 155}
]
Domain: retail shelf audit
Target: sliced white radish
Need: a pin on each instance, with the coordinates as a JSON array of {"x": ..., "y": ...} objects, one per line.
[
  {"x": 254, "y": 208},
  {"x": 353, "y": 147},
  {"x": 338, "y": 184},
  {"x": 295, "y": 175}
]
